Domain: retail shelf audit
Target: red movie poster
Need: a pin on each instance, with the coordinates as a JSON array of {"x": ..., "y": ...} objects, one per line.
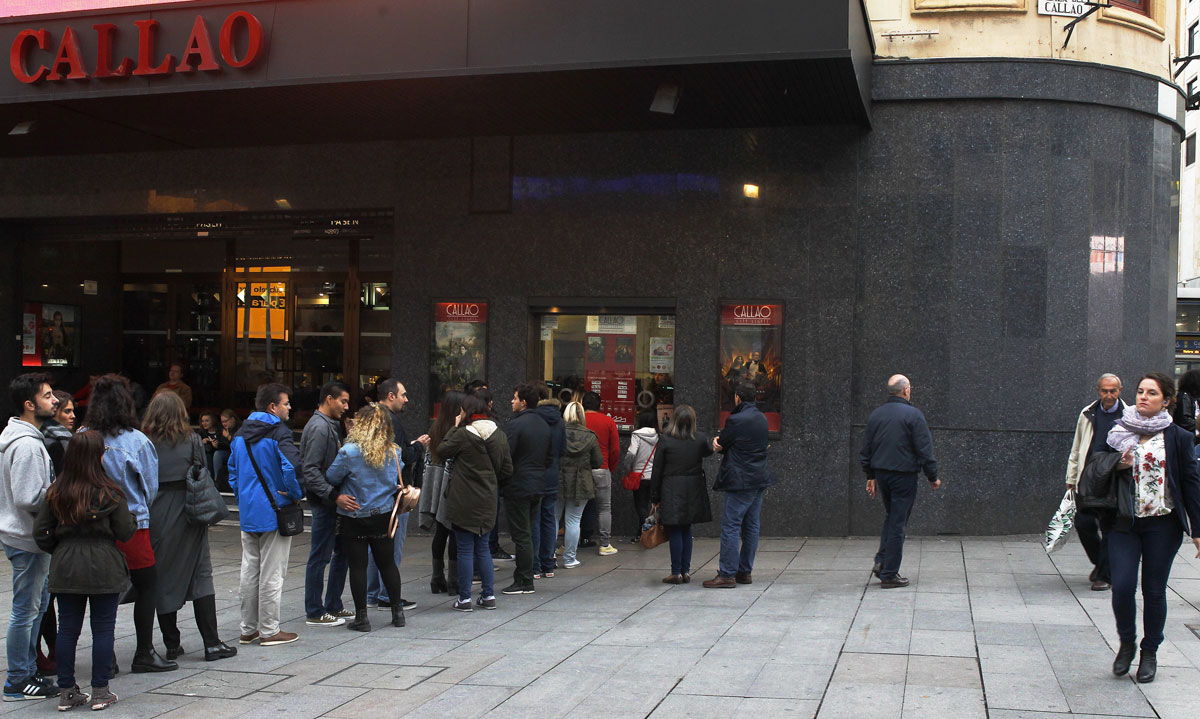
[
  {"x": 609, "y": 372},
  {"x": 752, "y": 351}
]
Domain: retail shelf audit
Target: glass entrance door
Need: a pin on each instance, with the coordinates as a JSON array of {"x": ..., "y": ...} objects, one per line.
[{"x": 262, "y": 337}]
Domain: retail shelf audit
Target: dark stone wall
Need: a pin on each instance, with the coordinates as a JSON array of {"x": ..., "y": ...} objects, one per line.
[{"x": 951, "y": 242}]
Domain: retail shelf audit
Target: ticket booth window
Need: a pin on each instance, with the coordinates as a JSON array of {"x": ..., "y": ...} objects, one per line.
[{"x": 629, "y": 360}]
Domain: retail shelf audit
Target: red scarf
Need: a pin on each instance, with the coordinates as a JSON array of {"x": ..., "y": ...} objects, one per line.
[{"x": 479, "y": 416}]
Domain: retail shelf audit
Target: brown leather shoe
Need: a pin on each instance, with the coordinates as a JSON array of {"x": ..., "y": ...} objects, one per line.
[
  {"x": 895, "y": 582},
  {"x": 720, "y": 582},
  {"x": 1100, "y": 585},
  {"x": 673, "y": 579},
  {"x": 687, "y": 578},
  {"x": 278, "y": 638},
  {"x": 743, "y": 578}
]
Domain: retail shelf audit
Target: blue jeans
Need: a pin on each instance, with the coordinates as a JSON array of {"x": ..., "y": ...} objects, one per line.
[
  {"x": 573, "y": 509},
  {"x": 899, "y": 493},
  {"x": 1153, "y": 543},
  {"x": 545, "y": 534},
  {"x": 680, "y": 536},
  {"x": 740, "y": 522},
  {"x": 29, "y": 601},
  {"x": 70, "y": 623},
  {"x": 325, "y": 550},
  {"x": 474, "y": 557},
  {"x": 376, "y": 592}
]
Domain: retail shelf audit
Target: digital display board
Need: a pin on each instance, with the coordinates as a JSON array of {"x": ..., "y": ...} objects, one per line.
[{"x": 20, "y": 8}]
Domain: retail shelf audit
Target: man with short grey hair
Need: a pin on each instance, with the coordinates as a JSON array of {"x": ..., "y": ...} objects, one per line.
[
  {"x": 896, "y": 445},
  {"x": 1091, "y": 436}
]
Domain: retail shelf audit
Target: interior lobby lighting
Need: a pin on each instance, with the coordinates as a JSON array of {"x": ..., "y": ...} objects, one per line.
[
  {"x": 283, "y": 204},
  {"x": 666, "y": 99},
  {"x": 22, "y": 128},
  {"x": 750, "y": 191}
]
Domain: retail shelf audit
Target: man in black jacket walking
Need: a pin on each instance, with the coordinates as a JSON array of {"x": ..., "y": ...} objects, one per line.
[
  {"x": 531, "y": 446},
  {"x": 743, "y": 477},
  {"x": 895, "y": 446}
]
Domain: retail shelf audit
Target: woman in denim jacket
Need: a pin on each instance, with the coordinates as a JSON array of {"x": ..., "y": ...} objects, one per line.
[
  {"x": 367, "y": 469},
  {"x": 131, "y": 462}
]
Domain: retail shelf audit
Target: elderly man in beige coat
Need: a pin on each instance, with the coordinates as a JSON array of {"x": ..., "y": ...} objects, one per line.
[{"x": 1091, "y": 433}]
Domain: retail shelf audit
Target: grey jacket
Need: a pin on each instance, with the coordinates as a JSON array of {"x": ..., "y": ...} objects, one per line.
[
  {"x": 319, "y": 445},
  {"x": 25, "y": 475}
]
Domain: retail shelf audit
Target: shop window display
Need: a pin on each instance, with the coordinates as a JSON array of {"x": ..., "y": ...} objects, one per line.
[{"x": 629, "y": 360}]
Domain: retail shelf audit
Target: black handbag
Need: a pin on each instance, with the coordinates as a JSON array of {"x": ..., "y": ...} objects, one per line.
[
  {"x": 290, "y": 517},
  {"x": 1098, "y": 484},
  {"x": 203, "y": 503}
]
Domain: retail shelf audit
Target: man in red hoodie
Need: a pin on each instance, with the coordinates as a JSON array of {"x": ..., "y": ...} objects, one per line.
[{"x": 610, "y": 446}]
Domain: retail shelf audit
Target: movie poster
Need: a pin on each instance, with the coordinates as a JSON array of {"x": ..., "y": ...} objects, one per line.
[
  {"x": 609, "y": 365},
  {"x": 459, "y": 352},
  {"x": 50, "y": 335},
  {"x": 752, "y": 351}
]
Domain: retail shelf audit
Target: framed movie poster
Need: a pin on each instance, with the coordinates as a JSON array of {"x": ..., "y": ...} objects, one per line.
[
  {"x": 50, "y": 335},
  {"x": 459, "y": 350},
  {"x": 752, "y": 352}
]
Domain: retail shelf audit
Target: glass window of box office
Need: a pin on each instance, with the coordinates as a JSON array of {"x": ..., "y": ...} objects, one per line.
[{"x": 629, "y": 360}]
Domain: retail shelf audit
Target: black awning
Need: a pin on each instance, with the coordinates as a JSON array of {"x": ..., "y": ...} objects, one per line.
[{"x": 749, "y": 64}]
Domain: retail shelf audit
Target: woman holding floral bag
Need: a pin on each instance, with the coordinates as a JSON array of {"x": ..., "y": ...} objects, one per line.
[{"x": 1156, "y": 507}]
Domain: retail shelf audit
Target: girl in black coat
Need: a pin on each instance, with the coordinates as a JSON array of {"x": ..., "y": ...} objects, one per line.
[
  {"x": 677, "y": 488},
  {"x": 83, "y": 517}
]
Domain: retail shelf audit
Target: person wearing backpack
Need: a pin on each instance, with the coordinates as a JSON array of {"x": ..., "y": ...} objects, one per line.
[{"x": 1091, "y": 433}]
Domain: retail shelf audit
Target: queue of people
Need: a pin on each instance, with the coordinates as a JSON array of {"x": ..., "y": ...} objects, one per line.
[{"x": 112, "y": 496}]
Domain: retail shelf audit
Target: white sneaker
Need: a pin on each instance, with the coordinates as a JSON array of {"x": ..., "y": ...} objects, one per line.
[
  {"x": 607, "y": 549},
  {"x": 325, "y": 620},
  {"x": 572, "y": 564}
]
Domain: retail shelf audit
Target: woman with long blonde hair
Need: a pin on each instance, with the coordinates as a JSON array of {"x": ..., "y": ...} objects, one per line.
[
  {"x": 367, "y": 469},
  {"x": 180, "y": 546}
]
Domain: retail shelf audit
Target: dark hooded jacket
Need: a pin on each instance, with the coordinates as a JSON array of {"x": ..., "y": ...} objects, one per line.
[
  {"x": 481, "y": 461},
  {"x": 558, "y": 444},
  {"x": 57, "y": 439},
  {"x": 84, "y": 558},
  {"x": 744, "y": 446},
  {"x": 575, "y": 468}
]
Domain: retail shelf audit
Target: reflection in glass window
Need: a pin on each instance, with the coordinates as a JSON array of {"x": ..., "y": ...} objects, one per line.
[{"x": 629, "y": 360}]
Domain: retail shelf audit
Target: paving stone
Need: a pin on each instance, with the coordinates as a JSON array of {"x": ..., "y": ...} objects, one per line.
[
  {"x": 856, "y": 701},
  {"x": 930, "y": 702},
  {"x": 220, "y": 684},
  {"x": 935, "y": 642}
]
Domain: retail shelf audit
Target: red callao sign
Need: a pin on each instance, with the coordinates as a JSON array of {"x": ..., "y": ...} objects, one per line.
[
  {"x": 240, "y": 42},
  {"x": 769, "y": 315},
  {"x": 460, "y": 312}
]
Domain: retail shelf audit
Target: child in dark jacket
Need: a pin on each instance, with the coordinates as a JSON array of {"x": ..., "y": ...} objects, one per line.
[{"x": 82, "y": 518}]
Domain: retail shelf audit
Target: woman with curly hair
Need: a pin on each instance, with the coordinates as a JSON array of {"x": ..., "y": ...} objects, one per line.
[{"x": 367, "y": 469}]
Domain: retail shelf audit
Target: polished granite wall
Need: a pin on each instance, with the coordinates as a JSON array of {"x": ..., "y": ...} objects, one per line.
[{"x": 950, "y": 242}]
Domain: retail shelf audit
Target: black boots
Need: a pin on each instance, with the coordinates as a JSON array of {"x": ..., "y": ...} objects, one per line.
[
  {"x": 397, "y": 615},
  {"x": 151, "y": 661},
  {"x": 452, "y": 577},
  {"x": 1124, "y": 658},
  {"x": 360, "y": 622},
  {"x": 1147, "y": 667},
  {"x": 437, "y": 583}
]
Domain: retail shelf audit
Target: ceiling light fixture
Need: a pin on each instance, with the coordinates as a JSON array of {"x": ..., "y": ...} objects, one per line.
[
  {"x": 666, "y": 99},
  {"x": 22, "y": 128}
]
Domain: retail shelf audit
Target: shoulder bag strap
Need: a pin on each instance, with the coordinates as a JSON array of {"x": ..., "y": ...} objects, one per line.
[
  {"x": 261, "y": 480},
  {"x": 647, "y": 462},
  {"x": 394, "y": 520}
]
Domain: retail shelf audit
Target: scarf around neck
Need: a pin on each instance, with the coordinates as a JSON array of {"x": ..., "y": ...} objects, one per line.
[{"x": 1132, "y": 425}]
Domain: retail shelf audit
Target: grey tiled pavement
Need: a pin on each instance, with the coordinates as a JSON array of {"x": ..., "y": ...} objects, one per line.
[{"x": 990, "y": 628}]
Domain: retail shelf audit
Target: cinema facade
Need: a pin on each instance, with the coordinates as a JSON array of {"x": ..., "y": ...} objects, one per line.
[{"x": 652, "y": 200}]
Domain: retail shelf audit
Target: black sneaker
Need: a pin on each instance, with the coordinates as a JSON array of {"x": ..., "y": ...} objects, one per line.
[
  {"x": 516, "y": 588},
  {"x": 32, "y": 688},
  {"x": 405, "y": 604},
  {"x": 502, "y": 556},
  {"x": 587, "y": 542}
]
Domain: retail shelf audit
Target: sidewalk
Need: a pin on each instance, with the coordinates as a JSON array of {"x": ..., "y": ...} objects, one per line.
[{"x": 990, "y": 628}]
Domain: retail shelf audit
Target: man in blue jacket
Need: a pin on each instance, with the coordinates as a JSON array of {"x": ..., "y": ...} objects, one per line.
[
  {"x": 264, "y": 552},
  {"x": 743, "y": 477},
  {"x": 895, "y": 446}
]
